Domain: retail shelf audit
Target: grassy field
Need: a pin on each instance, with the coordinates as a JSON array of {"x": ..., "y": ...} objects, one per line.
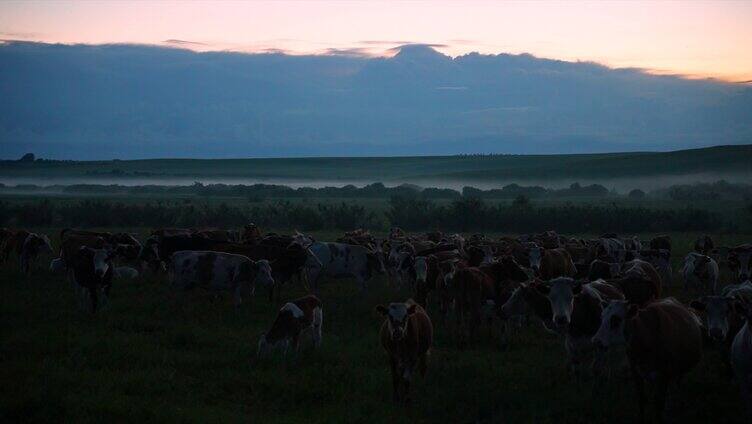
[
  {"x": 714, "y": 160},
  {"x": 158, "y": 356}
]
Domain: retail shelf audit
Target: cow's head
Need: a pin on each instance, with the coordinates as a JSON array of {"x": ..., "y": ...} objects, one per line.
[
  {"x": 718, "y": 310},
  {"x": 397, "y": 315},
  {"x": 613, "y": 320},
  {"x": 101, "y": 259},
  {"x": 263, "y": 273},
  {"x": 561, "y": 292},
  {"x": 535, "y": 254},
  {"x": 149, "y": 251},
  {"x": 302, "y": 239},
  {"x": 739, "y": 261}
]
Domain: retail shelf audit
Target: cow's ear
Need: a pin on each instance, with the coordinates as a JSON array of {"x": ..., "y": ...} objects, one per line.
[
  {"x": 381, "y": 310},
  {"x": 697, "y": 304},
  {"x": 411, "y": 309}
]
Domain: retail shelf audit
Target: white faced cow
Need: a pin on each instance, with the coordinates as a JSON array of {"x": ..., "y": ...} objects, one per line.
[
  {"x": 218, "y": 271},
  {"x": 700, "y": 271}
]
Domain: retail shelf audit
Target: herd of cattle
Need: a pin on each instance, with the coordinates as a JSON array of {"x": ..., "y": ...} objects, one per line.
[{"x": 601, "y": 296}]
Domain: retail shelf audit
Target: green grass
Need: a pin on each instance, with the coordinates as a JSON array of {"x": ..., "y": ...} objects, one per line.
[
  {"x": 721, "y": 160},
  {"x": 157, "y": 356}
]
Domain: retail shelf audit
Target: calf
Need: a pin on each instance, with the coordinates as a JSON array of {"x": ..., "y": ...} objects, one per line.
[
  {"x": 406, "y": 336},
  {"x": 663, "y": 342},
  {"x": 92, "y": 272},
  {"x": 218, "y": 271},
  {"x": 700, "y": 271},
  {"x": 293, "y": 319},
  {"x": 741, "y": 358},
  {"x": 338, "y": 260},
  {"x": 551, "y": 263}
]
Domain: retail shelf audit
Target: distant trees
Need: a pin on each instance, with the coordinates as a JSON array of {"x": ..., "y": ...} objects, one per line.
[
  {"x": 636, "y": 194},
  {"x": 29, "y": 157}
]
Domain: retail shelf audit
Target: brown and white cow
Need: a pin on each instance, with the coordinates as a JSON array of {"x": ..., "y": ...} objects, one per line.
[
  {"x": 663, "y": 342},
  {"x": 293, "y": 319},
  {"x": 722, "y": 321},
  {"x": 406, "y": 336},
  {"x": 218, "y": 271},
  {"x": 700, "y": 272},
  {"x": 92, "y": 272}
]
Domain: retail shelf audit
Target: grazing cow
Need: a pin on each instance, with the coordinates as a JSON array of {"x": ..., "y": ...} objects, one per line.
[
  {"x": 92, "y": 272},
  {"x": 294, "y": 318},
  {"x": 640, "y": 282},
  {"x": 741, "y": 358},
  {"x": 576, "y": 313},
  {"x": 551, "y": 263},
  {"x": 406, "y": 336},
  {"x": 603, "y": 270},
  {"x": 704, "y": 245},
  {"x": 661, "y": 242},
  {"x": 663, "y": 342},
  {"x": 740, "y": 261},
  {"x": 700, "y": 271},
  {"x": 339, "y": 260},
  {"x": 661, "y": 260},
  {"x": 126, "y": 272},
  {"x": 722, "y": 321},
  {"x": 218, "y": 271}
]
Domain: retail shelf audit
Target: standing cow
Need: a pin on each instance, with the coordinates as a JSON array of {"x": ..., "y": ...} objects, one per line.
[
  {"x": 406, "y": 336},
  {"x": 741, "y": 358},
  {"x": 92, "y": 272},
  {"x": 339, "y": 260},
  {"x": 219, "y": 272},
  {"x": 700, "y": 271},
  {"x": 551, "y": 263},
  {"x": 26, "y": 246}
]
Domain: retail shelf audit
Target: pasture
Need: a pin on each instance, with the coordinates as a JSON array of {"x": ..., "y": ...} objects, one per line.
[{"x": 159, "y": 356}]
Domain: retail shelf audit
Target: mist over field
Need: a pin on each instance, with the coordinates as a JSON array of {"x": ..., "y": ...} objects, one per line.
[{"x": 132, "y": 101}]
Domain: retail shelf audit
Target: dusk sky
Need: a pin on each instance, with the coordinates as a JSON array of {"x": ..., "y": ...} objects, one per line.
[{"x": 697, "y": 39}]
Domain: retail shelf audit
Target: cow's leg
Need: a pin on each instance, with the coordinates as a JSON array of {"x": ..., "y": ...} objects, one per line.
[
  {"x": 23, "y": 262},
  {"x": 661, "y": 392},
  {"x": 396, "y": 380},
  {"x": 640, "y": 386},
  {"x": 236, "y": 298},
  {"x": 93, "y": 297},
  {"x": 318, "y": 320},
  {"x": 407, "y": 375}
]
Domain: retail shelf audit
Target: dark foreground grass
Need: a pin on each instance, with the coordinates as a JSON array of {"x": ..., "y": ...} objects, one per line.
[{"x": 155, "y": 355}]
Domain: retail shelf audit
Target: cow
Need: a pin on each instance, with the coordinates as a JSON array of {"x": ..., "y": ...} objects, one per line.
[
  {"x": 293, "y": 319},
  {"x": 640, "y": 282},
  {"x": 92, "y": 272},
  {"x": 663, "y": 343},
  {"x": 576, "y": 311},
  {"x": 218, "y": 271},
  {"x": 704, "y": 245},
  {"x": 251, "y": 234},
  {"x": 661, "y": 242},
  {"x": 338, "y": 260},
  {"x": 551, "y": 263},
  {"x": 125, "y": 245},
  {"x": 661, "y": 261},
  {"x": 610, "y": 249},
  {"x": 528, "y": 300},
  {"x": 741, "y": 358},
  {"x": 26, "y": 246},
  {"x": 406, "y": 336},
  {"x": 722, "y": 321},
  {"x": 600, "y": 269},
  {"x": 427, "y": 272},
  {"x": 740, "y": 261},
  {"x": 700, "y": 271}
]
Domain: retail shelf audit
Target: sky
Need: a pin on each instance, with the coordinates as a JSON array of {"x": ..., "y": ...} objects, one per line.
[{"x": 697, "y": 39}]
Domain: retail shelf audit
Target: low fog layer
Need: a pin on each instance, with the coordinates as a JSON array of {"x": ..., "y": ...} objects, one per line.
[
  {"x": 103, "y": 102},
  {"x": 621, "y": 185}
]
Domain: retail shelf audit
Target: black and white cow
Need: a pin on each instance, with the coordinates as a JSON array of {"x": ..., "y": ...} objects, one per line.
[
  {"x": 339, "y": 260},
  {"x": 218, "y": 272}
]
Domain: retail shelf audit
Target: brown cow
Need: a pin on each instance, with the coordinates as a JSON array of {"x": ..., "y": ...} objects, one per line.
[
  {"x": 663, "y": 341},
  {"x": 295, "y": 317},
  {"x": 407, "y": 336},
  {"x": 640, "y": 282},
  {"x": 552, "y": 263}
]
